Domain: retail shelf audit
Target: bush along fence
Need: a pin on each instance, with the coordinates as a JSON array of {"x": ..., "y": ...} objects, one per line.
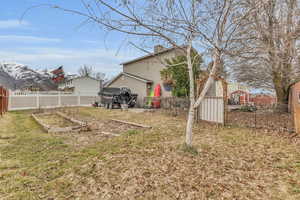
[
  {"x": 3, "y": 100},
  {"x": 50, "y": 99}
]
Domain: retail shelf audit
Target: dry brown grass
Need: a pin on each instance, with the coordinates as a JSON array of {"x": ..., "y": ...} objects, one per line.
[
  {"x": 231, "y": 163},
  {"x": 266, "y": 120}
]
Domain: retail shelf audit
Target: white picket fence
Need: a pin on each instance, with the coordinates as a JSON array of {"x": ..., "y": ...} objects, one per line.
[{"x": 20, "y": 100}]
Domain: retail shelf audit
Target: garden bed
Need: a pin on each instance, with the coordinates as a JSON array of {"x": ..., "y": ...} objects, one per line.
[
  {"x": 55, "y": 122},
  {"x": 81, "y": 131},
  {"x": 98, "y": 130}
]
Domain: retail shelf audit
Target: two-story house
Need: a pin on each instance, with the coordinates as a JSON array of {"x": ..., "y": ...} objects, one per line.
[{"x": 142, "y": 74}]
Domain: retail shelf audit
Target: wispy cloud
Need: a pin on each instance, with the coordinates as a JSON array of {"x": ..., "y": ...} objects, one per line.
[
  {"x": 90, "y": 41},
  {"x": 27, "y": 39},
  {"x": 13, "y": 23},
  {"x": 101, "y": 59},
  {"x": 70, "y": 53}
]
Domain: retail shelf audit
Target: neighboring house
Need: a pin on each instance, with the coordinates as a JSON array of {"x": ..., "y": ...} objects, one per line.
[
  {"x": 263, "y": 99},
  {"x": 141, "y": 75},
  {"x": 81, "y": 85}
]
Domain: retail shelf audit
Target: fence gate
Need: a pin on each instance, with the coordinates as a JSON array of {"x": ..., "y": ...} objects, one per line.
[{"x": 212, "y": 110}]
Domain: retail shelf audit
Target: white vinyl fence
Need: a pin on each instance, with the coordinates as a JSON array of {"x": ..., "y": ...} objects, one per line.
[
  {"x": 52, "y": 99},
  {"x": 212, "y": 110}
]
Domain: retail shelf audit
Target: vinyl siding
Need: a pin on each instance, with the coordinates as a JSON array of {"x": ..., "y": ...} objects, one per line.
[
  {"x": 83, "y": 85},
  {"x": 135, "y": 86},
  {"x": 86, "y": 86},
  {"x": 150, "y": 68}
]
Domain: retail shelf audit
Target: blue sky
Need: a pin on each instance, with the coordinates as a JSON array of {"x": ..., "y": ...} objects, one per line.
[{"x": 48, "y": 38}]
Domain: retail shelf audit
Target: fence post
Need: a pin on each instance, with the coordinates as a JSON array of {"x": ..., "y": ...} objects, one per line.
[
  {"x": 255, "y": 119},
  {"x": 5, "y": 100},
  {"x": 9, "y": 100},
  {"x": 1, "y": 100},
  {"x": 78, "y": 98},
  {"x": 37, "y": 100},
  {"x": 59, "y": 98}
]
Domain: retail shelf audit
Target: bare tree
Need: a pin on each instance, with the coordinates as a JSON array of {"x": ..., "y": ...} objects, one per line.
[
  {"x": 269, "y": 46},
  {"x": 85, "y": 71},
  {"x": 90, "y": 72},
  {"x": 208, "y": 25}
]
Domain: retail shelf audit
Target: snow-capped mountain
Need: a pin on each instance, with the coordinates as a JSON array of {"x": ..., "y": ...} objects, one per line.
[{"x": 18, "y": 76}]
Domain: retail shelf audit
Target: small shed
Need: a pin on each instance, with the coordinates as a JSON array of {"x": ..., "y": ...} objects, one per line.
[
  {"x": 238, "y": 94},
  {"x": 82, "y": 85},
  {"x": 213, "y": 108},
  {"x": 217, "y": 89},
  {"x": 239, "y": 97}
]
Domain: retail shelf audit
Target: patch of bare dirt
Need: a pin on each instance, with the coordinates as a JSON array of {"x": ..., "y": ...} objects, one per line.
[{"x": 98, "y": 130}]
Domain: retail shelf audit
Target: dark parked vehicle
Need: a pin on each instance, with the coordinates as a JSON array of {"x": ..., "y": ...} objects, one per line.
[{"x": 112, "y": 97}]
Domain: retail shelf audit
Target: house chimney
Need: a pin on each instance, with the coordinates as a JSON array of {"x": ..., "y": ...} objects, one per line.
[{"x": 158, "y": 48}]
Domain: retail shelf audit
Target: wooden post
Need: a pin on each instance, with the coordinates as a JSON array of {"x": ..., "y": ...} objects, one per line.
[
  {"x": 1, "y": 100},
  {"x": 9, "y": 100},
  {"x": 59, "y": 99},
  {"x": 5, "y": 101},
  {"x": 78, "y": 97},
  {"x": 37, "y": 100}
]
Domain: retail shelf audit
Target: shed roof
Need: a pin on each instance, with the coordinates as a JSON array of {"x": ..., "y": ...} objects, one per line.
[
  {"x": 130, "y": 76},
  {"x": 80, "y": 77}
]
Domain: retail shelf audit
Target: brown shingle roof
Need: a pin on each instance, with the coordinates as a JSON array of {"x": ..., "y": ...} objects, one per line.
[{"x": 128, "y": 75}]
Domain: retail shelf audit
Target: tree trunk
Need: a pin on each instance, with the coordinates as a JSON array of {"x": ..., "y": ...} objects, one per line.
[
  {"x": 191, "y": 114},
  {"x": 282, "y": 96},
  {"x": 189, "y": 126},
  {"x": 216, "y": 60},
  {"x": 193, "y": 104}
]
